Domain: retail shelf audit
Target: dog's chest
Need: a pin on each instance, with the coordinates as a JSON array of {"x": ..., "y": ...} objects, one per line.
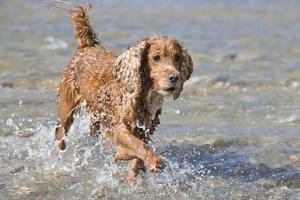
[{"x": 153, "y": 103}]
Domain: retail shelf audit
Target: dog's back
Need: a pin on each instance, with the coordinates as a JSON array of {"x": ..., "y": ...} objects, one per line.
[{"x": 87, "y": 76}]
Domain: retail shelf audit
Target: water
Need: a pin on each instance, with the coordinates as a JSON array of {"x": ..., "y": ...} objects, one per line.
[{"x": 233, "y": 134}]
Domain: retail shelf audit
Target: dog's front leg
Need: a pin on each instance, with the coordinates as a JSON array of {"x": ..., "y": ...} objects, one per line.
[{"x": 136, "y": 148}]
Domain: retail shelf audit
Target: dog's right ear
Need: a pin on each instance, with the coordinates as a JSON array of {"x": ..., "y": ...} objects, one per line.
[{"x": 128, "y": 68}]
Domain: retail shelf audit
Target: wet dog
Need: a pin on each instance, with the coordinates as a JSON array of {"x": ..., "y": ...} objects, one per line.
[{"x": 124, "y": 93}]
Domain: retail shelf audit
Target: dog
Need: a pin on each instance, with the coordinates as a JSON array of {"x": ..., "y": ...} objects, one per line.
[{"x": 124, "y": 93}]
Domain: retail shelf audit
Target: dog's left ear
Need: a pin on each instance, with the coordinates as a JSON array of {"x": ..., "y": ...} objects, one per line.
[
  {"x": 128, "y": 68},
  {"x": 185, "y": 70}
]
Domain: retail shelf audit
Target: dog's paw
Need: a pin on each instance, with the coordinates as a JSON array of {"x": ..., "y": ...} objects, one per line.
[
  {"x": 62, "y": 145},
  {"x": 155, "y": 163}
]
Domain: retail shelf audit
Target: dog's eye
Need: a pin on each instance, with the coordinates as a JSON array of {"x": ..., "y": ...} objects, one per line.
[
  {"x": 156, "y": 58},
  {"x": 177, "y": 58}
]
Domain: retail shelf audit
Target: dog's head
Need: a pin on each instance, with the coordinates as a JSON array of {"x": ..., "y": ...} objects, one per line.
[{"x": 158, "y": 63}]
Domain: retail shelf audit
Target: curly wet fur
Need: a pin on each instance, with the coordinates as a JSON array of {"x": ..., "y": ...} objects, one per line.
[
  {"x": 124, "y": 93},
  {"x": 84, "y": 33}
]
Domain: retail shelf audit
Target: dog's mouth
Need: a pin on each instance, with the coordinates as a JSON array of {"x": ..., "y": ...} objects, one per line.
[
  {"x": 167, "y": 91},
  {"x": 170, "y": 89}
]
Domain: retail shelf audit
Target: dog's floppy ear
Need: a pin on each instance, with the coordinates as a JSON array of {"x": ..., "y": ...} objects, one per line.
[
  {"x": 186, "y": 70},
  {"x": 128, "y": 68}
]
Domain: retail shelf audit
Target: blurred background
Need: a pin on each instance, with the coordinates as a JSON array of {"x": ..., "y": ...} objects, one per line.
[{"x": 233, "y": 134}]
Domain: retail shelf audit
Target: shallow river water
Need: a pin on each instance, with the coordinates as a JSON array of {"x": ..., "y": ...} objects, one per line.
[{"x": 233, "y": 134}]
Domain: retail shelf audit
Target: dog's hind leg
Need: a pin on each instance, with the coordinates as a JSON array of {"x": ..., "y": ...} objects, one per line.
[
  {"x": 68, "y": 105},
  {"x": 135, "y": 165}
]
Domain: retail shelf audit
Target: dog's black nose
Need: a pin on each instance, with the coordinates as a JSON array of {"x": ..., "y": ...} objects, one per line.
[{"x": 173, "y": 78}]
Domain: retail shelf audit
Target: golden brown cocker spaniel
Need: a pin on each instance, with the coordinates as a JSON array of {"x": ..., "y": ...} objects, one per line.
[{"x": 124, "y": 93}]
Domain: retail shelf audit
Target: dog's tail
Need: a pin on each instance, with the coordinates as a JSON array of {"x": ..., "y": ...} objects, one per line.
[{"x": 84, "y": 33}]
